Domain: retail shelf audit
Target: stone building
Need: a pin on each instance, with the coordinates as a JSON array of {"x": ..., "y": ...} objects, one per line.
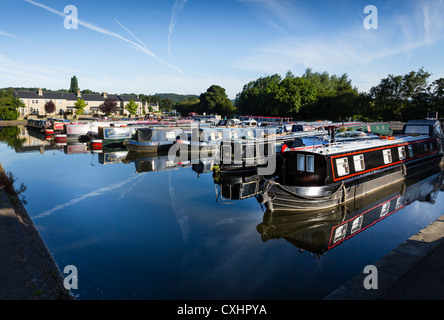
[{"x": 65, "y": 102}]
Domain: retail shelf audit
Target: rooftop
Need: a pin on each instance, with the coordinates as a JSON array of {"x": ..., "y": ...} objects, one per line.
[{"x": 73, "y": 96}]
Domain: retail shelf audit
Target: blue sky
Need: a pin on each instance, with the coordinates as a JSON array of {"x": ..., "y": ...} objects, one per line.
[{"x": 185, "y": 46}]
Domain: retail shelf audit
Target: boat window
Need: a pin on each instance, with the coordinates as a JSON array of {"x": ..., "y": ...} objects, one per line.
[
  {"x": 301, "y": 162},
  {"x": 359, "y": 162},
  {"x": 425, "y": 147},
  {"x": 310, "y": 163},
  {"x": 384, "y": 209},
  {"x": 410, "y": 151},
  {"x": 226, "y": 154},
  {"x": 401, "y": 152},
  {"x": 387, "y": 154},
  {"x": 399, "y": 202},
  {"x": 340, "y": 233},
  {"x": 171, "y": 135},
  {"x": 417, "y": 130},
  {"x": 342, "y": 166},
  {"x": 215, "y": 136},
  {"x": 431, "y": 146},
  {"x": 234, "y": 135},
  {"x": 357, "y": 224}
]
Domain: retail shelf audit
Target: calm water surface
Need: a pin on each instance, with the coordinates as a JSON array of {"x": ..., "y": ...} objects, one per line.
[{"x": 139, "y": 229}]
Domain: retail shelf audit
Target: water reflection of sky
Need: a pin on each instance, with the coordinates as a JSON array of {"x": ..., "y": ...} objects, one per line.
[{"x": 161, "y": 235}]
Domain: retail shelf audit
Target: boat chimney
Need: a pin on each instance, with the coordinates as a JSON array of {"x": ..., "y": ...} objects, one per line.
[
  {"x": 432, "y": 115},
  {"x": 332, "y": 134}
]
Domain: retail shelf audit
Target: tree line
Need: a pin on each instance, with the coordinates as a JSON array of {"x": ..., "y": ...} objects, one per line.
[
  {"x": 312, "y": 96},
  {"x": 316, "y": 95}
]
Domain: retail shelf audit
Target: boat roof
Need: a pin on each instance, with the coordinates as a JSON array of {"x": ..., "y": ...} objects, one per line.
[
  {"x": 358, "y": 145},
  {"x": 423, "y": 122}
]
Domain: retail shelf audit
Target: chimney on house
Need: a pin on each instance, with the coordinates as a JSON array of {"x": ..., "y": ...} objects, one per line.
[
  {"x": 40, "y": 92},
  {"x": 79, "y": 94},
  {"x": 105, "y": 95}
]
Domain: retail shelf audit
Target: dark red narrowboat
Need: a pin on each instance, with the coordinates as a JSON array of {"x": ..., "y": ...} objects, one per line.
[{"x": 323, "y": 176}]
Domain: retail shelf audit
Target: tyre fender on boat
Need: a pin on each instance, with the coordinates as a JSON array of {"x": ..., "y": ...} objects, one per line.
[{"x": 264, "y": 198}]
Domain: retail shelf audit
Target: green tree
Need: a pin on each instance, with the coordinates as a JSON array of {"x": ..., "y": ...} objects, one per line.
[
  {"x": 74, "y": 88},
  {"x": 437, "y": 96},
  {"x": 88, "y": 91},
  {"x": 327, "y": 85},
  {"x": 336, "y": 98},
  {"x": 215, "y": 101},
  {"x": 292, "y": 94},
  {"x": 9, "y": 105},
  {"x": 257, "y": 96},
  {"x": 274, "y": 96},
  {"x": 166, "y": 104},
  {"x": 132, "y": 107},
  {"x": 393, "y": 98},
  {"x": 187, "y": 106},
  {"x": 80, "y": 106}
]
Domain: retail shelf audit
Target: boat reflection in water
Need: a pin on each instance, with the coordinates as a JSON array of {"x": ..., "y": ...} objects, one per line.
[
  {"x": 320, "y": 231},
  {"x": 112, "y": 156},
  {"x": 152, "y": 162},
  {"x": 163, "y": 161},
  {"x": 229, "y": 187},
  {"x": 240, "y": 184}
]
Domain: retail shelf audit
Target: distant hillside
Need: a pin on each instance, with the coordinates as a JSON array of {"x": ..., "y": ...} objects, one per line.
[
  {"x": 25, "y": 89},
  {"x": 172, "y": 96},
  {"x": 86, "y": 91},
  {"x": 175, "y": 97}
]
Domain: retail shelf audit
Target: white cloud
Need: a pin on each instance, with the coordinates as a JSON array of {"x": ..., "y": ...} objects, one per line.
[
  {"x": 282, "y": 9},
  {"x": 281, "y": 14},
  {"x": 352, "y": 49}
]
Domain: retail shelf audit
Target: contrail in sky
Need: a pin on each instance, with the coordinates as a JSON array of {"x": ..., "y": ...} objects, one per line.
[
  {"x": 178, "y": 7},
  {"x": 132, "y": 35},
  {"x": 138, "y": 46},
  {"x": 9, "y": 35}
]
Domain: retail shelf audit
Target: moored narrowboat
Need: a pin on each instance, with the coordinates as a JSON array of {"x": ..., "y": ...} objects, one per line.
[
  {"x": 247, "y": 155},
  {"x": 38, "y": 125},
  {"x": 155, "y": 139},
  {"x": 114, "y": 136},
  {"x": 208, "y": 138},
  {"x": 329, "y": 175}
]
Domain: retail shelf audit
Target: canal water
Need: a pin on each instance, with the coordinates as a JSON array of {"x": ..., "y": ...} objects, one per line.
[{"x": 141, "y": 227}]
